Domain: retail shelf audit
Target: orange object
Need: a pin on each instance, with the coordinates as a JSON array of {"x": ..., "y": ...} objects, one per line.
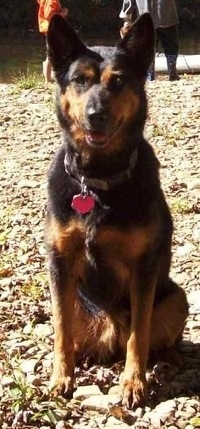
[{"x": 47, "y": 8}]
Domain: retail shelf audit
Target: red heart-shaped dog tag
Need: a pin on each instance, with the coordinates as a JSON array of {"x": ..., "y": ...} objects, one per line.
[{"x": 83, "y": 203}]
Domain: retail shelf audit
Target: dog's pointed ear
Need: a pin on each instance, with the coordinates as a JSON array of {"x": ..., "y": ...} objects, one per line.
[
  {"x": 63, "y": 43},
  {"x": 139, "y": 43}
]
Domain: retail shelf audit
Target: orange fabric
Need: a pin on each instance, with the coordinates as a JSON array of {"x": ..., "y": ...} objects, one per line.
[{"x": 47, "y": 8}]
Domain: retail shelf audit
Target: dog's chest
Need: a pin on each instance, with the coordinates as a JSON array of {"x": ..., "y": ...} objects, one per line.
[
  {"x": 110, "y": 259},
  {"x": 108, "y": 244},
  {"x": 101, "y": 258}
]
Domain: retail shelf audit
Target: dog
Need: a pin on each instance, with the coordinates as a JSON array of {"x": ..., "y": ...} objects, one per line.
[{"x": 108, "y": 226}]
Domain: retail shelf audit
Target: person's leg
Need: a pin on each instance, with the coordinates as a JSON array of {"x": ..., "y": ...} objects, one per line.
[
  {"x": 46, "y": 67},
  {"x": 169, "y": 41},
  {"x": 151, "y": 70},
  {"x": 47, "y": 70}
]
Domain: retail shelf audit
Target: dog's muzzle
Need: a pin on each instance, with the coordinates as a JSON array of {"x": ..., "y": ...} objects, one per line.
[{"x": 96, "y": 127}]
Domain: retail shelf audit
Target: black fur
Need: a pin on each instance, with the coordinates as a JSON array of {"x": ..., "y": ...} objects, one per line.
[{"x": 134, "y": 205}]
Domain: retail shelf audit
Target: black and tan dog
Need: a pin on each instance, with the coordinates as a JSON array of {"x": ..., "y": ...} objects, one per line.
[{"x": 108, "y": 226}]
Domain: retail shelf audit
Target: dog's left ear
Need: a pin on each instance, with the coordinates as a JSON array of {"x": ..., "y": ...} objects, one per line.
[
  {"x": 139, "y": 43},
  {"x": 63, "y": 43}
]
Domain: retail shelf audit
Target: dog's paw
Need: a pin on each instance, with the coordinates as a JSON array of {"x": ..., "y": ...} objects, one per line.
[
  {"x": 62, "y": 386},
  {"x": 134, "y": 393}
]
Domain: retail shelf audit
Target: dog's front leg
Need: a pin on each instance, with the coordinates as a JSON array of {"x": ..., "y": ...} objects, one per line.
[
  {"x": 142, "y": 292},
  {"x": 67, "y": 262},
  {"x": 63, "y": 293}
]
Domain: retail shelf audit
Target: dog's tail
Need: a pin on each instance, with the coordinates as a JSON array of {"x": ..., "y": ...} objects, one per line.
[{"x": 95, "y": 334}]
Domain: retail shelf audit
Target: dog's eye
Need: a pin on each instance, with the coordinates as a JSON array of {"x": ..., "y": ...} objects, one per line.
[
  {"x": 79, "y": 79},
  {"x": 117, "y": 82}
]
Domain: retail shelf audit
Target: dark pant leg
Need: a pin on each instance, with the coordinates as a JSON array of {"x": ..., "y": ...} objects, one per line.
[{"x": 168, "y": 36}]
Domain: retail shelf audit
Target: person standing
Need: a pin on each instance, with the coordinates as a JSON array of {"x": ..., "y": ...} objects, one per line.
[
  {"x": 165, "y": 18},
  {"x": 47, "y": 8}
]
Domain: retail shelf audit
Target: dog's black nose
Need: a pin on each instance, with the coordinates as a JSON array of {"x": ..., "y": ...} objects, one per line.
[{"x": 97, "y": 117}]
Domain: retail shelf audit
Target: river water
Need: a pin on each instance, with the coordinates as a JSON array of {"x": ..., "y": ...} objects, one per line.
[{"x": 25, "y": 54}]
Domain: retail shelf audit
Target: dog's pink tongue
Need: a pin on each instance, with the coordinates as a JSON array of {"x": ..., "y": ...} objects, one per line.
[{"x": 96, "y": 137}]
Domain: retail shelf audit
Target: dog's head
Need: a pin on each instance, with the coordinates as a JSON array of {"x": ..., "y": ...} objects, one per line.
[{"x": 102, "y": 103}]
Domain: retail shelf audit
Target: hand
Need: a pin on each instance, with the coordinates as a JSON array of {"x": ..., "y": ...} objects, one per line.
[{"x": 65, "y": 11}]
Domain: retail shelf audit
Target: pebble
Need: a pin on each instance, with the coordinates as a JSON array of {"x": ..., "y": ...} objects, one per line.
[
  {"x": 185, "y": 250},
  {"x": 112, "y": 422},
  {"x": 194, "y": 302},
  {"x": 28, "y": 365},
  {"x": 42, "y": 330},
  {"x": 193, "y": 184},
  {"x": 28, "y": 183},
  {"x": 84, "y": 392},
  {"x": 99, "y": 402}
]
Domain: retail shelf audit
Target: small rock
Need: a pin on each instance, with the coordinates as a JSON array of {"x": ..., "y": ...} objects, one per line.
[
  {"x": 195, "y": 337},
  {"x": 112, "y": 422},
  {"x": 7, "y": 381},
  {"x": 193, "y": 184},
  {"x": 84, "y": 392},
  {"x": 34, "y": 380},
  {"x": 172, "y": 427},
  {"x": 185, "y": 250},
  {"x": 28, "y": 365},
  {"x": 27, "y": 183},
  {"x": 192, "y": 324},
  {"x": 166, "y": 407},
  {"x": 99, "y": 402},
  {"x": 196, "y": 234},
  {"x": 115, "y": 390},
  {"x": 155, "y": 420},
  {"x": 43, "y": 330},
  {"x": 190, "y": 412},
  {"x": 28, "y": 329},
  {"x": 194, "y": 302},
  {"x": 62, "y": 425},
  {"x": 181, "y": 424},
  {"x": 180, "y": 278},
  {"x": 139, "y": 412},
  {"x": 141, "y": 425}
]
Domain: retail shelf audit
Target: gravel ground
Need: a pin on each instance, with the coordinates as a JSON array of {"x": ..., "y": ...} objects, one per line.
[{"x": 29, "y": 134}]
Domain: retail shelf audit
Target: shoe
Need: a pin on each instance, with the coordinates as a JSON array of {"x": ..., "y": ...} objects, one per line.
[
  {"x": 171, "y": 65},
  {"x": 150, "y": 76},
  {"x": 125, "y": 12},
  {"x": 151, "y": 72}
]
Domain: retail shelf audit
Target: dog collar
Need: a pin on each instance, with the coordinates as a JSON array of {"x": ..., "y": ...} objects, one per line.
[
  {"x": 104, "y": 184},
  {"x": 85, "y": 202}
]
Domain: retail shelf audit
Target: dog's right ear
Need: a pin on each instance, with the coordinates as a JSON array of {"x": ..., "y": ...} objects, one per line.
[
  {"x": 63, "y": 44},
  {"x": 139, "y": 43}
]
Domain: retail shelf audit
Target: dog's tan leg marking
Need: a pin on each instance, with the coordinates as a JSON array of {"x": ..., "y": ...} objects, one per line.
[
  {"x": 134, "y": 382},
  {"x": 67, "y": 265},
  {"x": 62, "y": 377}
]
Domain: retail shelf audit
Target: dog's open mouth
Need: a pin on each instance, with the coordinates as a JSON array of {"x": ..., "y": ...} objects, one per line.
[
  {"x": 96, "y": 139},
  {"x": 100, "y": 139}
]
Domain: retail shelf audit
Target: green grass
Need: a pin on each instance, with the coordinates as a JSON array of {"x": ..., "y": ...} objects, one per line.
[
  {"x": 34, "y": 289},
  {"x": 181, "y": 206},
  {"x": 28, "y": 80}
]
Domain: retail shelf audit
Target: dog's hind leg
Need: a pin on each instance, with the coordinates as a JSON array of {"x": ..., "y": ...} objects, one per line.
[{"x": 168, "y": 319}]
